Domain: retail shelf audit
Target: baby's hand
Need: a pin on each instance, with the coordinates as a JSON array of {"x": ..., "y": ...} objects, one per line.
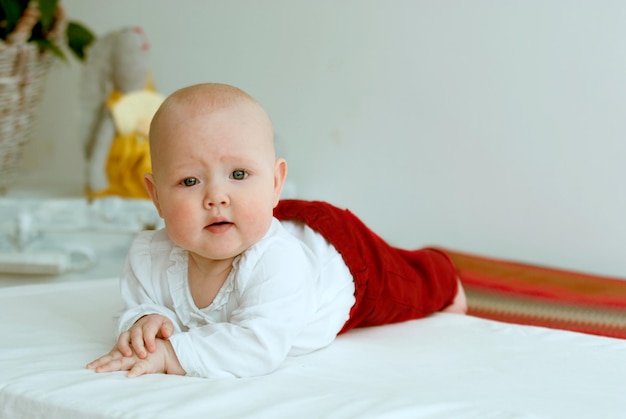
[
  {"x": 162, "y": 359},
  {"x": 140, "y": 338}
]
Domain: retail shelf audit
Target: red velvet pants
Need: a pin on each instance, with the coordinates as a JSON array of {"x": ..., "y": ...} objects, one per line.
[{"x": 391, "y": 284}]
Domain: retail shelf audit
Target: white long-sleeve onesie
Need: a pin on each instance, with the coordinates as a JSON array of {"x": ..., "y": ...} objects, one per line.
[{"x": 289, "y": 294}]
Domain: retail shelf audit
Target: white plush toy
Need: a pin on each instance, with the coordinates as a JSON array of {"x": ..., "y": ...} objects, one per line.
[{"x": 119, "y": 102}]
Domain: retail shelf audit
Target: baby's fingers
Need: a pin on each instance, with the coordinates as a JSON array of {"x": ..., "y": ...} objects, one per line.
[
  {"x": 116, "y": 364},
  {"x": 96, "y": 363},
  {"x": 156, "y": 326},
  {"x": 141, "y": 367},
  {"x": 137, "y": 342},
  {"x": 123, "y": 344},
  {"x": 167, "y": 329},
  {"x": 103, "y": 360}
]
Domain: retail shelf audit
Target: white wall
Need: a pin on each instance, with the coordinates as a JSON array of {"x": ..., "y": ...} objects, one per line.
[{"x": 490, "y": 126}]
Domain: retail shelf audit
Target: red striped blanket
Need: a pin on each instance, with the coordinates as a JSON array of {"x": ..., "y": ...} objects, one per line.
[{"x": 534, "y": 295}]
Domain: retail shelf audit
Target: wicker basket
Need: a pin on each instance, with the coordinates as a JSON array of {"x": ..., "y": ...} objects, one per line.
[{"x": 23, "y": 69}]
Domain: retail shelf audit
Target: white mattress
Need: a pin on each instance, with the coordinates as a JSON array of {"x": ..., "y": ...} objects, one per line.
[{"x": 446, "y": 366}]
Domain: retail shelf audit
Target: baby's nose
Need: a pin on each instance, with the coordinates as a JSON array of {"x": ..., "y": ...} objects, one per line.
[{"x": 216, "y": 196}]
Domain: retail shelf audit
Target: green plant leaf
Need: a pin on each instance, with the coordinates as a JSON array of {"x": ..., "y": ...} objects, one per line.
[
  {"x": 47, "y": 9},
  {"x": 47, "y": 45},
  {"x": 78, "y": 38},
  {"x": 10, "y": 12}
]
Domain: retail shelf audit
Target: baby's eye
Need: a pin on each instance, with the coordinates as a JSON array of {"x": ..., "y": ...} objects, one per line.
[
  {"x": 239, "y": 174},
  {"x": 190, "y": 181}
]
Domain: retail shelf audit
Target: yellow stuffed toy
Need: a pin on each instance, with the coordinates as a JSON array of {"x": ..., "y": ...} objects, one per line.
[{"x": 119, "y": 102}]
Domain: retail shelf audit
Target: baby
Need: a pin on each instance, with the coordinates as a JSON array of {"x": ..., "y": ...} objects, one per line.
[{"x": 237, "y": 281}]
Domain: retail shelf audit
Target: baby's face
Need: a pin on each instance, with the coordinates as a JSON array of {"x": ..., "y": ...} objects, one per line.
[{"x": 216, "y": 177}]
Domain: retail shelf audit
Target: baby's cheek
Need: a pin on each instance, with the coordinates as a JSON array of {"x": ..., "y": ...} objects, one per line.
[
  {"x": 178, "y": 226},
  {"x": 258, "y": 224}
]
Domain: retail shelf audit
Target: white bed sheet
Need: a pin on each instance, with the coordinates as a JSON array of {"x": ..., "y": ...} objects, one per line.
[{"x": 445, "y": 366}]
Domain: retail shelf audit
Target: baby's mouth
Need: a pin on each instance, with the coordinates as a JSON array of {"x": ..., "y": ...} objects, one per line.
[{"x": 219, "y": 227}]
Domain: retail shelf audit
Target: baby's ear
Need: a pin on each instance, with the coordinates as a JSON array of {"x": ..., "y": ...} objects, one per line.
[
  {"x": 280, "y": 174},
  {"x": 148, "y": 180}
]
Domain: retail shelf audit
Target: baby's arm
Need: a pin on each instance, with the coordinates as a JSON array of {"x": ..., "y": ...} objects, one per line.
[
  {"x": 141, "y": 337},
  {"x": 162, "y": 359}
]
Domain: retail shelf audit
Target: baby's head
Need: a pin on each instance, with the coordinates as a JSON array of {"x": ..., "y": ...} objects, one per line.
[{"x": 216, "y": 178}]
